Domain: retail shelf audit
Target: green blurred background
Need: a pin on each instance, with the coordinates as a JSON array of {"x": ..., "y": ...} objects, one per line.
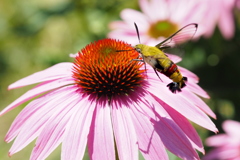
[{"x": 37, "y": 34}]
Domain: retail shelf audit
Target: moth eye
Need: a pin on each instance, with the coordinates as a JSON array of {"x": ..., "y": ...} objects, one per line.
[{"x": 138, "y": 50}]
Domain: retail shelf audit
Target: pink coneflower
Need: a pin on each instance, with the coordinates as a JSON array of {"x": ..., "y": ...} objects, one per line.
[
  {"x": 226, "y": 145},
  {"x": 158, "y": 20},
  {"x": 106, "y": 101}
]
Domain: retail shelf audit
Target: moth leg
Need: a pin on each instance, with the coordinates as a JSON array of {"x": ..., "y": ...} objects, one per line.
[{"x": 157, "y": 74}]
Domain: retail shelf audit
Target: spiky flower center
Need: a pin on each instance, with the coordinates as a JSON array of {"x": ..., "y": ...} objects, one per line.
[
  {"x": 163, "y": 28},
  {"x": 100, "y": 69}
]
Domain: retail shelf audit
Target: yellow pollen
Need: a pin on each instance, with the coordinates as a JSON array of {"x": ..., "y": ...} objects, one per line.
[{"x": 163, "y": 28}]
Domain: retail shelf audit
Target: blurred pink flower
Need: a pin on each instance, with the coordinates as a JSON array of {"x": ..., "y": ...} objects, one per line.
[
  {"x": 218, "y": 13},
  {"x": 237, "y": 4},
  {"x": 161, "y": 18},
  {"x": 105, "y": 101},
  {"x": 158, "y": 20},
  {"x": 227, "y": 146}
]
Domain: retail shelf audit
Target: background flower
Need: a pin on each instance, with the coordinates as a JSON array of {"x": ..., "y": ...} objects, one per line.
[
  {"x": 161, "y": 18},
  {"x": 158, "y": 20},
  {"x": 221, "y": 16},
  {"x": 226, "y": 146}
]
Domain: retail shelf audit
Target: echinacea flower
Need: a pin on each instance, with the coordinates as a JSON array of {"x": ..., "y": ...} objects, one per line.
[
  {"x": 107, "y": 102},
  {"x": 226, "y": 146},
  {"x": 158, "y": 20}
]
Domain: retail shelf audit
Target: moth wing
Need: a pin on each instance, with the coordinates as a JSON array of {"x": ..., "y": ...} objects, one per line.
[{"x": 182, "y": 35}]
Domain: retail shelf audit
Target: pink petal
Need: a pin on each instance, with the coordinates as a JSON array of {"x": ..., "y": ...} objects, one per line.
[
  {"x": 130, "y": 16},
  {"x": 193, "y": 87},
  {"x": 23, "y": 116},
  {"x": 145, "y": 7},
  {"x": 226, "y": 25},
  {"x": 224, "y": 152},
  {"x": 30, "y": 122},
  {"x": 174, "y": 141},
  {"x": 174, "y": 58},
  {"x": 101, "y": 132},
  {"x": 149, "y": 142},
  {"x": 184, "y": 150},
  {"x": 73, "y": 55},
  {"x": 124, "y": 36},
  {"x": 193, "y": 77},
  {"x": 232, "y": 128},
  {"x": 54, "y": 131},
  {"x": 77, "y": 130},
  {"x": 182, "y": 106},
  {"x": 172, "y": 136},
  {"x": 195, "y": 100},
  {"x": 185, "y": 126},
  {"x": 120, "y": 25},
  {"x": 37, "y": 90},
  {"x": 57, "y": 71},
  {"x": 181, "y": 121},
  {"x": 237, "y": 4},
  {"x": 184, "y": 17},
  {"x": 125, "y": 135},
  {"x": 217, "y": 140},
  {"x": 159, "y": 10},
  {"x": 191, "y": 84},
  {"x": 155, "y": 10},
  {"x": 226, "y": 19}
]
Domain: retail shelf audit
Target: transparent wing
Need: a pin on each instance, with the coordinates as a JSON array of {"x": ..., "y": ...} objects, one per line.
[{"x": 184, "y": 34}]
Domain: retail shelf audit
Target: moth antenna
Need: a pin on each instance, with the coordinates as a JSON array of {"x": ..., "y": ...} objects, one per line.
[
  {"x": 137, "y": 32},
  {"x": 136, "y": 27},
  {"x": 124, "y": 50}
]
